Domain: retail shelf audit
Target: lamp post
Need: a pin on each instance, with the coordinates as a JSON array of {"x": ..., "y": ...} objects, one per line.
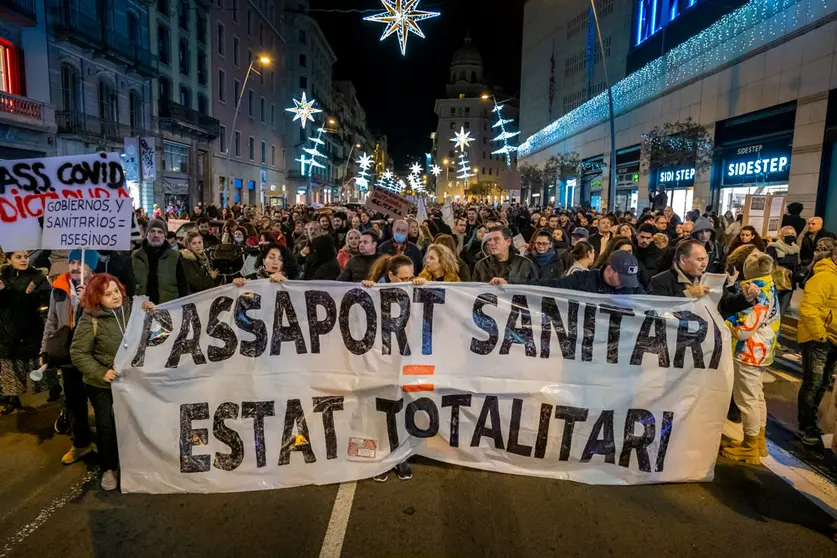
[
  {"x": 611, "y": 190},
  {"x": 264, "y": 60}
]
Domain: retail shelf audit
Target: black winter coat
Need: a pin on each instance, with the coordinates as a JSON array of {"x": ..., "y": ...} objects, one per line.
[
  {"x": 411, "y": 251},
  {"x": 321, "y": 264},
  {"x": 21, "y": 318},
  {"x": 553, "y": 269},
  {"x": 358, "y": 268},
  {"x": 590, "y": 282},
  {"x": 667, "y": 284},
  {"x": 119, "y": 265}
]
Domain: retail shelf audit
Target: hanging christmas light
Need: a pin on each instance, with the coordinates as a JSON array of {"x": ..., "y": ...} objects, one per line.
[
  {"x": 304, "y": 110},
  {"x": 362, "y": 180},
  {"x": 505, "y": 135},
  {"x": 401, "y": 17}
]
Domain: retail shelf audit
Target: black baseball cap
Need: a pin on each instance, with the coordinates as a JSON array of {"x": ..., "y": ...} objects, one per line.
[
  {"x": 625, "y": 264},
  {"x": 581, "y": 232}
]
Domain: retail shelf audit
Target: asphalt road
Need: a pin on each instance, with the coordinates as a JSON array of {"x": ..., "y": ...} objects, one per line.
[{"x": 47, "y": 509}]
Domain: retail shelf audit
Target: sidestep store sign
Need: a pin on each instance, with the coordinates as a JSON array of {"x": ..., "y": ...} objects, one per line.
[
  {"x": 273, "y": 386},
  {"x": 758, "y": 163}
]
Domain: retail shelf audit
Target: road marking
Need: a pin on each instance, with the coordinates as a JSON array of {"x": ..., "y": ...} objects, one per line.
[
  {"x": 805, "y": 480},
  {"x": 336, "y": 532}
]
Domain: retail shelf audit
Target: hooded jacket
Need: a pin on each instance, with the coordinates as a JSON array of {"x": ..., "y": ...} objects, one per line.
[
  {"x": 21, "y": 319},
  {"x": 717, "y": 256},
  {"x": 818, "y": 310},
  {"x": 794, "y": 219},
  {"x": 321, "y": 263},
  {"x": 756, "y": 328},
  {"x": 94, "y": 352},
  {"x": 198, "y": 271},
  {"x": 62, "y": 308}
]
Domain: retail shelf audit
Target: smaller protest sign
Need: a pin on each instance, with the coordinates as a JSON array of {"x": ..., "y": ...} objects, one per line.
[
  {"x": 388, "y": 203},
  {"x": 175, "y": 224},
  {"x": 98, "y": 224}
]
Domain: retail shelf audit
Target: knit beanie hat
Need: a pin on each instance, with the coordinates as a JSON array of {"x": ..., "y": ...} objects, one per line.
[
  {"x": 157, "y": 224},
  {"x": 91, "y": 258},
  {"x": 757, "y": 264}
]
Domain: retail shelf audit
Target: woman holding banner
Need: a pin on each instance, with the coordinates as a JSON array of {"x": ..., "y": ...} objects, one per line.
[
  {"x": 24, "y": 291},
  {"x": 96, "y": 341},
  {"x": 277, "y": 264},
  {"x": 197, "y": 265}
]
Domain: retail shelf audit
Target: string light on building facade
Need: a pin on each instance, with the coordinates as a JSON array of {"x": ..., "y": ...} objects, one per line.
[
  {"x": 504, "y": 136},
  {"x": 753, "y": 25},
  {"x": 401, "y": 18},
  {"x": 304, "y": 110}
]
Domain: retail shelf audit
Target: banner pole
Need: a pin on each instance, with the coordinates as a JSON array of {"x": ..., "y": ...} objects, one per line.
[{"x": 82, "y": 266}]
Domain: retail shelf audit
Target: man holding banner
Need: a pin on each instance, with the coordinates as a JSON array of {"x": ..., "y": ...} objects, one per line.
[{"x": 158, "y": 267}]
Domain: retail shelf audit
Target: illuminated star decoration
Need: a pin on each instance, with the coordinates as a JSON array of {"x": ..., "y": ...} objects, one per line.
[
  {"x": 436, "y": 170},
  {"x": 401, "y": 17},
  {"x": 462, "y": 139},
  {"x": 304, "y": 110},
  {"x": 504, "y": 136},
  {"x": 361, "y": 180},
  {"x": 415, "y": 169}
]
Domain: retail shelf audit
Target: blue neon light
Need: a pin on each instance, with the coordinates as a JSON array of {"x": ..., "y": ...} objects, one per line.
[{"x": 652, "y": 16}]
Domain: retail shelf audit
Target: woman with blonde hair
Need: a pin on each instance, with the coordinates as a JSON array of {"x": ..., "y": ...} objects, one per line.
[
  {"x": 351, "y": 248},
  {"x": 448, "y": 241},
  {"x": 440, "y": 265}
]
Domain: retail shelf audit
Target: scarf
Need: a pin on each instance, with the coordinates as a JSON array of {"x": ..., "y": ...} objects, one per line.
[
  {"x": 783, "y": 249},
  {"x": 545, "y": 258}
]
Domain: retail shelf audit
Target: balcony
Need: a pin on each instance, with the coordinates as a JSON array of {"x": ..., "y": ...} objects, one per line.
[
  {"x": 21, "y": 107},
  {"x": 179, "y": 118},
  {"x": 73, "y": 123},
  {"x": 71, "y": 25},
  {"x": 19, "y": 12}
]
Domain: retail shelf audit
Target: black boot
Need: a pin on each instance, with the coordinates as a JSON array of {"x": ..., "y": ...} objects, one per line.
[{"x": 12, "y": 404}]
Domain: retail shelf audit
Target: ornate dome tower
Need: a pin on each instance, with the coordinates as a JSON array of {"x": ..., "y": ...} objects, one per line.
[{"x": 466, "y": 73}]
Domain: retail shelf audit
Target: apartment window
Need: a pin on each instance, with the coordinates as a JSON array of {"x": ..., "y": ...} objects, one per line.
[
  {"x": 165, "y": 89},
  {"x": 250, "y": 103},
  {"x": 483, "y": 170},
  {"x": 185, "y": 96},
  {"x": 264, "y": 153},
  {"x": 483, "y": 155},
  {"x": 222, "y": 86},
  {"x": 467, "y": 125},
  {"x": 200, "y": 24},
  {"x": 220, "y": 39},
  {"x": 262, "y": 111},
  {"x": 175, "y": 157},
  {"x": 163, "y": 7},
  {"x": 235, "y": 10},
  {"x": 261, "y": 35},
  {"x": 69, "y": 84},
  {"x": 302, "y": 38},
  {"x": 249, "y": 57},
  {"x": 134, "y": 110},
  {"x": 222, "y": 139},
  {"x": 203, "y": 107},
  {"x": 236, "y": 45},
  {"x": 183, "y": 15},
  {"x": 272, "y": 81},
  {"x": 236, "y": 91},
  {"x": 184, "y": 57},
  {"x": 273, "y": 115},
  {"x": 252, "y": 147},
  {"x": 133, "y": 27},
  {"x": 452, "y": 111},
  {"x": 303, "y": 61},
  {"x": 484, "y": 142},
  {"x": 201, "y": 67},
  {"x": 273, "y": 155},
  {"x": 453, "y": 125},
  {"x": 108, "y": 102},
  {"x": 303, "y": 83},
  {"x": 249, "y": 23},
  {"x": 163, "y": 44},
  {"x": 467, "y": 111},
  {"x": 237, "y": 143}
]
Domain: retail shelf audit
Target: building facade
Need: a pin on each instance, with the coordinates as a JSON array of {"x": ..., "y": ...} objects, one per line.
[
  {"x": 759, "y": 75},
  {"x": 27, "y": 120},
  {"x": 469, "y": 106},
  {"x": 249, "y": 153},
  {"x": 354, "y": 137}
]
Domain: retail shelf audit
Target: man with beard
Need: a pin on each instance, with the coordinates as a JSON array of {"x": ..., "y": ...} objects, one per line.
[
  {"x": 158, "y": 267},
  {"x": 339, "y": 228},
  {"x": 209, "y": 240},
  {"x": 358, "y": 267},
  {"x": 61, "y": 321},
  {"x": 603, "y": 235},
  {"x": 647, "y": 253},
  {"x": 473, "y": 221}
]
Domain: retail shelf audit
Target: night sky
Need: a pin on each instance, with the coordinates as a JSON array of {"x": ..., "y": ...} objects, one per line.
[{"x": 397, "y": 92}]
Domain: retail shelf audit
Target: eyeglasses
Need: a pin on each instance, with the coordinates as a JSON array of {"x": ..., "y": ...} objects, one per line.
[{"x": 542, "y": 244}]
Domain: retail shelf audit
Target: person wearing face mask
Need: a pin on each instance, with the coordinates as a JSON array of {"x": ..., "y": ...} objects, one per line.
[
  {"x": 399, "y": 244},
  {"x": 63, "y": 315},
  {"x": 23, "y": 291},
  {"x": 198, "y": 265},
  {"x": 158, "y": 268},
  {"x": 98, "y": 336},
  {"x": 786, "y": 274}
]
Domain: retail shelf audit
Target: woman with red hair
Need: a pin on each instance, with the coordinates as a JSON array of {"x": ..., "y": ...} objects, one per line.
[{"x": 96, "y": 340}]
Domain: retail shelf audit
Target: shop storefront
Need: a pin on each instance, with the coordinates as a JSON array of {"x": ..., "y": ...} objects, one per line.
[
  {"x": 678, "y": 183},
  {"x": 827, "y": 192},
  {"x": 591, "y": 183},
  {"x": 627, "y": 178},
  {"x": 753, "y": 156}
]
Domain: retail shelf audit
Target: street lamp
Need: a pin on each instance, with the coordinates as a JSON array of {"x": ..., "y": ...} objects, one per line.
[{"x": 264, "y": 60}]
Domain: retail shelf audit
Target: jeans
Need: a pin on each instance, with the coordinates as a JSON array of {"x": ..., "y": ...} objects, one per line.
[
  {"x": 75, "y": 401},
  {"x": 819, "y": 360},
  {"x": 748, "y": 391},
  {"x": 784, "y": 302},
  {"x": 102, "y": 400}
]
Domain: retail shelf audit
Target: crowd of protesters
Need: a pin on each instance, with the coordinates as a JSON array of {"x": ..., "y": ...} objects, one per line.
[{"x": 68, "y": 312}]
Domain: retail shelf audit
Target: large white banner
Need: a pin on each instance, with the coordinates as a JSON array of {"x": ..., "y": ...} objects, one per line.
[
  {"x": 26, "y": 185},
  {"x": 272, "y": 386}
]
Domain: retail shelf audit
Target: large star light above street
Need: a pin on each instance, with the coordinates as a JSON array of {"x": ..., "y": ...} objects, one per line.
[
  {"x": 304, "y": 110},
  {"x": 365, "y": 161},
  {"x": 462, "y": 139},
  {"x": 401, "y": 17}
]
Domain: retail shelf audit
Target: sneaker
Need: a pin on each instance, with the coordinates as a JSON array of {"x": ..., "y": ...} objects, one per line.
[
  {"x": 381, "y": 478},
  {"x": 76, "y": 454},
  {"x": 108, "y": 481},
  {"x": 62, "y": 423},
  {"x": 404, "y": 471},
  {"x": 812, "y": 440}
]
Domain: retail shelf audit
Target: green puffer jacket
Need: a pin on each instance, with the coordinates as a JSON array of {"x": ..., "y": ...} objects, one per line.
[{"x": 93, "y": 352}]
